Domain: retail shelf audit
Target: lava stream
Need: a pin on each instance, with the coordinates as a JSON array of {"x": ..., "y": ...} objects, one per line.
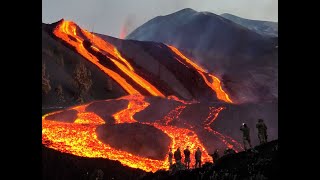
[
  {"x": 136, "y": 104},
  {"x": 214, "y": 83},
  {"x": 67, "y": 31},
  {"x": 79, "y": 138}
]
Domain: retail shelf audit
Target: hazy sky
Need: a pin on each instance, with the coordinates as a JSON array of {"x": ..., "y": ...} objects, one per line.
[{"x": 109, "y": 16}]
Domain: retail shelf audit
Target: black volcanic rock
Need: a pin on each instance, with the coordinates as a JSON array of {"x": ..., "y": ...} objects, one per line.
[
  {"x": 136, "y": 138},
  {"x": 157, "y": 109},
  {"x": 64, "y": 116},
  {"x": 64, "y": 166},
  {"x": 105, "y": 109},
  {"x": 58, "y": 165},
  {"x": 262, "y": 163}
]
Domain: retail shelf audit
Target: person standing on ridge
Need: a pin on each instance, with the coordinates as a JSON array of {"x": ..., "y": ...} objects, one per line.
[
  {"x": 177, "y": 155},
  {"x": 187, "y": 157},
  {"x": 197, "y": 156},
  {"x": 262, "y": 131},
  {"x": 215, "y": 155},
  {"x": 246, "y": 135}
]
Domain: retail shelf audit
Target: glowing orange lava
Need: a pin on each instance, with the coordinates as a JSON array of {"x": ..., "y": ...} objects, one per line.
[
  {"x": 136, "y": 104},
  {"x": 79, "y": 138},
  {"x": 67, "y": 29},
  {"x": 214, "y": 83}
]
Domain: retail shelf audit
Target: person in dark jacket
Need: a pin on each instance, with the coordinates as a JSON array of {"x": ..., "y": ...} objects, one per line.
[
  {"x": 262, "y": 131},
  {"x": 197, "y": 156},
  {"x": 246, "y": 136},
  {"x": 177, "y": 155},
  {"x": 215, "y": 156},
  {"x": 187, "y": 157}
]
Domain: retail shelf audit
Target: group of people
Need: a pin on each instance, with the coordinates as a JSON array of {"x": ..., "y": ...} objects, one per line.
[
  {"x": 262, "y": 133},
  {"x": 187, "y": 160}
]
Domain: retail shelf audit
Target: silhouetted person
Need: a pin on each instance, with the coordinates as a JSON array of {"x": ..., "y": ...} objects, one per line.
[
  {"x": 262, "y": 131},
  {"x": 246, "y": 136},
  {"x": 232, "y": 151},
  {"x": 170, "y": 156},
  {"x": 187, "y": 157},
  {"x": 197, "y": 156},
  {"x": 215, "y": 155},
  {"x": 177, "y": 155}
]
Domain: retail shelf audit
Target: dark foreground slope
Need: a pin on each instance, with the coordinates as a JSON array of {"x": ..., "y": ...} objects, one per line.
[
  {"x": 62, "y": 166},
  {"x": 262, "y": 164}
]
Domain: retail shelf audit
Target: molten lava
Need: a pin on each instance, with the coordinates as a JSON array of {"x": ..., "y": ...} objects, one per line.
[
  {"x": 67, "y": 31},
  {"x": 214, "y": 83},
  {"x": 136, "y": 104},
  {"x": 80, "y": 138}
]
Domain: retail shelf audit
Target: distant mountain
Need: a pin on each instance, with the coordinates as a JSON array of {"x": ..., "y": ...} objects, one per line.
[
  {"x": 262, "y": 27},
  {"x": 246, "y": 60}
]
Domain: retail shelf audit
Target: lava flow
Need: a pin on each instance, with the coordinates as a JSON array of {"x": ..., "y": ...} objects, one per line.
[
  {"x": 67, "y": 31},
  {"x": 80, "y": 138},
  {"x": 215, "y": 83}
]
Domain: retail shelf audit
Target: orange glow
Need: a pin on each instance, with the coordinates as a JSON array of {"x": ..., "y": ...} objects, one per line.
[
  {"x": 79, "y": 138},
  {"x": 123, "y": 60},
  {"x": 214, "y": 83},
  {"x": 123, "y": 31},
  {"x": 136, "y": 104},
  {"x": 88, "y": 118},
  {"x": 173, "y": 114},
  {"x": 182, "y": 138},
  {"x": 145, "y": 84},
  {"x": 67, "y": 29}
]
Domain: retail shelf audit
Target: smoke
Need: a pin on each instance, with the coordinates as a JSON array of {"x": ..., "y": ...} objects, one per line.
[{"x": 127, "y": 26}]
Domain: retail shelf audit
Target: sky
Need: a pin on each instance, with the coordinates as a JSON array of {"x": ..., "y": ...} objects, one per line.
[{"x": 111, "y": 16}]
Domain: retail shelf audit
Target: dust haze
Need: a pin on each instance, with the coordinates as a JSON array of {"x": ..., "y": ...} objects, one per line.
[{"x": 109, "y": 17}]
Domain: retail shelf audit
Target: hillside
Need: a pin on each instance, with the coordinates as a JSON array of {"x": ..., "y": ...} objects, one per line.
[
  {"x": 266, "y": 28},
  {"x": 246, "y": 61}
]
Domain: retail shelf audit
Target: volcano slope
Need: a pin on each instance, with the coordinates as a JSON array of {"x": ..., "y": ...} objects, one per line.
[
  {"x": 167, "y": 91},
  {"x": 145, "y": 68},
  {"x": 247, "y": 62}
]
